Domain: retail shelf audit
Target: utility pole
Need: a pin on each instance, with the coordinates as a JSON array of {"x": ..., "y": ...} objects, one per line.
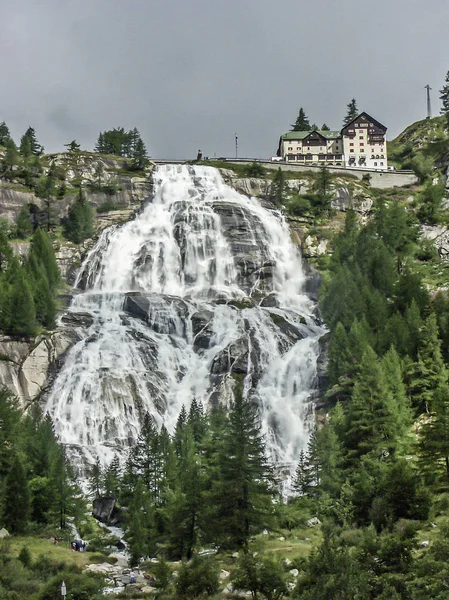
[
  {"x": 236, "y": 146},
  {"x": 429, "y": 111}
]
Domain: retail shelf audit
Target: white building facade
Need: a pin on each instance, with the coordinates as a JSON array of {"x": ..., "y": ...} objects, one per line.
[
  {"x": 365, "y": 143},
  {"x": 360, "y": 144}
]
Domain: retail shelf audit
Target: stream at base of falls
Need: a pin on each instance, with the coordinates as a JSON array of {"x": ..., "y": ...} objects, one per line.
[{"x": 202, "y": 289}]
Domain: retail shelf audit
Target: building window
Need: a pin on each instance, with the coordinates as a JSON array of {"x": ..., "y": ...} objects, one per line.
[
  {"x": 352, "y": 150},
  {"x": 381, "y": 164},
  {"x": 309, "y": 157},
  {"x": 351, "y": 143},
  {"x": 375, "y": 164},
  {"x": 362, "y": 144},
  {"x": 289, "y": 148},
  {"x": 321, "y": 157}
]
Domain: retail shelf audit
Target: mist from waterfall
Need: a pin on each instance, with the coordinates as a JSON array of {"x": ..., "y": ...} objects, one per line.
[{"x": 204, "y": 287}]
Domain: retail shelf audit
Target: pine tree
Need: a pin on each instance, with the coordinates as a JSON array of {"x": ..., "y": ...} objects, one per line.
[
  {"x": 372, "y": 420},
  {"x": 111, "y": 478},
  {"x": 29, "y": 144},
  {"x": 79, "y": 223},
  {"x": 23, "y": 312},
  {"x": 322, "y": 193},
  {"x": 24, "y": 226},
  {"x": 46, "y": 191},
  {"x": 186, "y": 503},
  {"x": 303, "y": 478},
  {"x": 141, "y": 530},
  {"x": 10, "y": 160},
  {"x": 197, "y": 421},
  {"x": 302, "y": 122},
  {"x": 392, "y": 368},
  {"x": 96, "y": 479},
  {"x": 444, "y": 97},
  {"x": 434, "y": 435},
  {"x": 242, "y": 491},
  {"x": 139, "y": 156},
  {"x": 351, "y": 113},
  {"x": 324, "y": 127},
  {"x": 16, "y": 498},
  {"x": 429, "y": 372},
  {"x": 73, "y": 146},
  {"x": 4, "y": 133},
  {"x": 277, "y": 191},
  {"x": 42, "y": 249}
]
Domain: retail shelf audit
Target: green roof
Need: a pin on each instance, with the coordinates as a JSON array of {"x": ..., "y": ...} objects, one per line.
[{"x": 300, "y": 135}]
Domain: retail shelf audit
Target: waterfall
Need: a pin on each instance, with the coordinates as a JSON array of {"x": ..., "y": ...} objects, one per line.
[{"x": 204, "y": 287}]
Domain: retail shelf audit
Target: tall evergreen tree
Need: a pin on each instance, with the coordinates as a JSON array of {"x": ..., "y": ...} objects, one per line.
[
  {"x": 29, "y": 144},
  {"x": 352, "y": 112},
  {"x": 79, "y": 223},
  {"x": 429, "y": 372},
  {"x": 24, "y": 226},
  {"x": 42, "y": 249},
  {"x": 277, "y": 191},
  {"x": 434, "y": 436},
  {"x": 23, "y": 312},
  {"x": 325, "y": 127},
  {"x": 444, "y": 97},
  {"x": 242, "y": 491},
  {"x": 10, "y": 159},
  {"x": 4, "y": 133},
  {"x": 372, "y": 420},
  {"x": 139, "y": 156},
  {"x": 302, "y": 122},
  {"x": 16, "y": 498}
]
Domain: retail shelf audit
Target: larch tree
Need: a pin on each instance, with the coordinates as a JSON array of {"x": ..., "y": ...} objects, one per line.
[
  {"x": 352, "y": 112},
  {"x": 444, "y": 97},
  {"x": 302, "y": 122}
]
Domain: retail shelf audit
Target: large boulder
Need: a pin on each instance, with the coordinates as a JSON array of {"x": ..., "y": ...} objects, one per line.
[{"x": 103, "y": 509}]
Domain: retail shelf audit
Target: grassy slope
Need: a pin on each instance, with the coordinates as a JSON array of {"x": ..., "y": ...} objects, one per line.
[{"x": 428, "y": 137}]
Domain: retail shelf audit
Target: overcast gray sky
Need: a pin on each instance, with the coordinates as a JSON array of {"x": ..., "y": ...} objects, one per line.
[{"x": 190, "y": 74}]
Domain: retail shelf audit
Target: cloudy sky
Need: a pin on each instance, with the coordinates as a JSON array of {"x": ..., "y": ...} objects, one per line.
[{"x": 190, "y": 74}]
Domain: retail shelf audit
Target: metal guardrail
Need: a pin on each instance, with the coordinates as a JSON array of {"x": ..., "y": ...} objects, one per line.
[{"x": 281, "y": 162}]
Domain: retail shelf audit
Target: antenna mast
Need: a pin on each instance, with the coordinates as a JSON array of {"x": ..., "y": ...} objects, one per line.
[{"x": 429, "y": 110}]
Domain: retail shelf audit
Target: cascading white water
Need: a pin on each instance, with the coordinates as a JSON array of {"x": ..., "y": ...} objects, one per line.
[{"x": 217, "y": 295}]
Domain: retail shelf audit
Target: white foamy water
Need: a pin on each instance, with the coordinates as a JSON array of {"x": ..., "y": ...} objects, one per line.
[{"x": 197, "y": 247}]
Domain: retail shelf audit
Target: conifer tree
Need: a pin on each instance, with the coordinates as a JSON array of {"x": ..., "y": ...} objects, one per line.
[
  {"x": 29, "y": 144},
  {"x": 302, "y": 122},
  {"x": 16, "y": 498},
  {"x": 22, "y": 313},
  {"x": 139, "y": 156},
  {"x": 352, "y": 112},
  {"x": 428, "y": 373},
  {"x": 242, "y": 491},
  {"x": 4, "y": 133},
  {"x": 324, "y": 127},
  {"x": 10, "y": 160},
  {"x": 444, "y": 97},
  {"x": 96, "y": 479},
  {"x": 79, "y": 223},
  {"x": 392, "y": 368},
  {"x": 277, "y": 191},
  {"x": 111, "y": 479},
  {"x": 187, "y": 501},
  {"x": 141, "y": 531},
  {"x": 434, "y": 436},
  {"x": 372, "y": 421},
  {"x": 24, "y": 226},
  {"x": 42, "y": 249},
  {"x": 303, "y": 478},
  {"x": 196, "y": 420}
]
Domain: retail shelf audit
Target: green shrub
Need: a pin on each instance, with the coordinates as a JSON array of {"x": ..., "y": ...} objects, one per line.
[
  {"x": 197, "y": 579},
  {"x": 254, "y": 170},
  {"x": 106, "y": 206}
]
